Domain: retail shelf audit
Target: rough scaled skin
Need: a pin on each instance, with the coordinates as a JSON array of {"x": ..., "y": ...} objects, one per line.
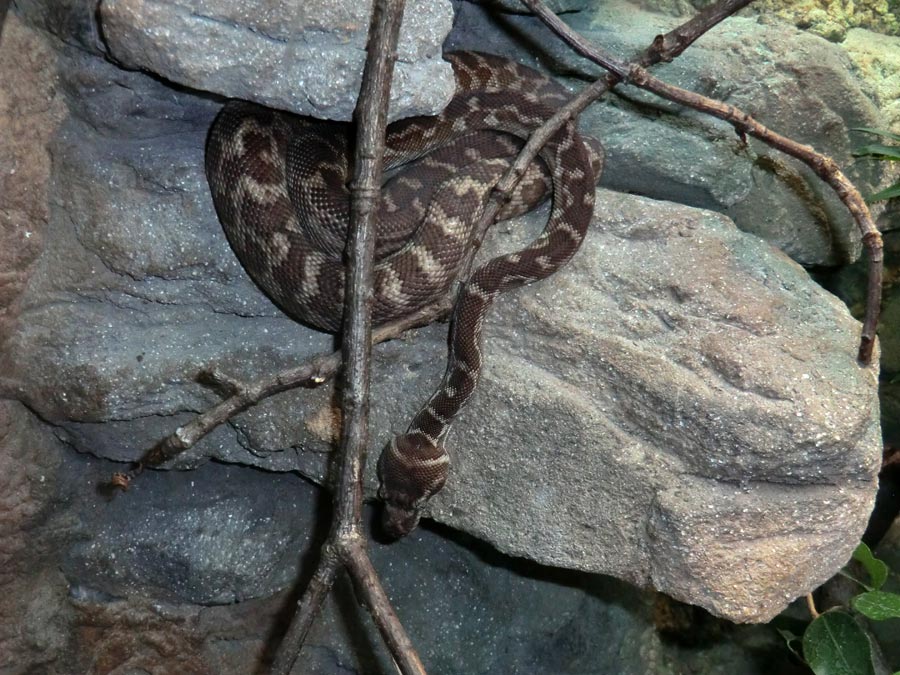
[{"x": 279, "y": 183}]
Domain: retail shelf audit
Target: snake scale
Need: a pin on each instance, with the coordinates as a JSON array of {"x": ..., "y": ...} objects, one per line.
[{"x": 279, "y": 184}]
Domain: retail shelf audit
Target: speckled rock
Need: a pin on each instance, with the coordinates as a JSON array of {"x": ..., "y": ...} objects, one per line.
[
  {"x": 168, "y": 540},
  {"x": 877, "y": 59},
  {"x": 306, "y": 57}
]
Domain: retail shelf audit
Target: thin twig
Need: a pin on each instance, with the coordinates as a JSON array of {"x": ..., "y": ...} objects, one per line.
[
  {"x": 346, "y": 541},
  {"x": 824, "y": 167},
  {"x": 811, "y": 605},
  {"x": 311, "y": 373},
  {"x": 308, "y": 609},
  {"x": 369, "y": 589}
]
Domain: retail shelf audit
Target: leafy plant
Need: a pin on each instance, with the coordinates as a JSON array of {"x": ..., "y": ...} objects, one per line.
[
  {"x": 880, "y": 151},
  {"x": 836, "y": 642}
]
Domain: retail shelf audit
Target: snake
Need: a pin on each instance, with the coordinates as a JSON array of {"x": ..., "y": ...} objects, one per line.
[{"x": 279, "y": 183}]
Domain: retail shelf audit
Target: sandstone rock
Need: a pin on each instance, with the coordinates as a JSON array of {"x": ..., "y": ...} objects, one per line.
[
  {"x": 798, "y": 85},
  {"x": 306, "y": 57}
]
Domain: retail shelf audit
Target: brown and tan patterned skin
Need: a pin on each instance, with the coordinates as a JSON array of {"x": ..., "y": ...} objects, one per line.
[{"x": 279, "y": 183}]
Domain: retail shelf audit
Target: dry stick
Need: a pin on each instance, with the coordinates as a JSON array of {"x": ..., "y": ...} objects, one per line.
[
  {"x": 322, "y": 367},
  {"x": 242, "y": 396},
  {"x": 346, "y": 542},
  {"x": 824, "y": 167}
]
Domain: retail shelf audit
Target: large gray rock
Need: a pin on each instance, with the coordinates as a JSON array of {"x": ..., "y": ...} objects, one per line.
[
  {"x": 301, "y": 56},
  {"x": 677, "y": 387},
  {"x": 680, "y": 407},
  {"x": 801, "y": 86}
]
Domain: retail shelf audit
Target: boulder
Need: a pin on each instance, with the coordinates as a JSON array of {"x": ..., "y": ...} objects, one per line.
[{"x": 306, "y": 57}]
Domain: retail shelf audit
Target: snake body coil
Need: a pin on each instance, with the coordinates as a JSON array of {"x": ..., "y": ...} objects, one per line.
[{"x": 279, "y": 184}]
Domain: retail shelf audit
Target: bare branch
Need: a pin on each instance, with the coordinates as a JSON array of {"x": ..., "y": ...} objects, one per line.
[
  {"x": 307, "y": 609},
  {"x": 824, "y": 167},
  {"x": 369, "y": 589},
  {"x": 311, "y": 373},
  {"x": 346, "y": 540}
]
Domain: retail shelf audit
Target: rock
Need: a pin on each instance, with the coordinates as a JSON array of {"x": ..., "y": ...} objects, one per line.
[
  {"x": 662, "y": 151},
  {"x": 467, "y": 616},
  {"x": 834, "y": 21},
  {"x": 468, "y": 608},
  {"x": 680, "y": 407},
  {"x": 234, "y": 537},
  {"x": 73, "y": 22},
  {"x": 877, "y": 59},
  {"x": 828, "y": 20},
  {"x": 306, "y": 57},
  {"x": 677, "y": 408}
]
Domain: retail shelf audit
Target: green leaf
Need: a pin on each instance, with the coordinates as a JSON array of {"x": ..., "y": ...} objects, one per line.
[
  {"x": 834, "y": 644},
  {"x": 878, "y": 605},
  {"x": 878, "y": 571},
  {"x": 888, "y": 193},
  {"x": 878, "y": 132},
  {"x": 789, "y": 639},
  {"x": 878, "y": 151}
]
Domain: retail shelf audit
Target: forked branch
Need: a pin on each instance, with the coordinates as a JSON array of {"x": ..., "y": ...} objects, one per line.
[{"x": 346, "y": 544}]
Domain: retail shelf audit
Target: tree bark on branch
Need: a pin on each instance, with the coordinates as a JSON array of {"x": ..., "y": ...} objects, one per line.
[{"x": 346, "y": 543}]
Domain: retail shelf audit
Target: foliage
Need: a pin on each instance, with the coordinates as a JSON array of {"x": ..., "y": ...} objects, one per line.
[
  {"x": 837, "y": 641},
  {"x": 881, "y": 151}
]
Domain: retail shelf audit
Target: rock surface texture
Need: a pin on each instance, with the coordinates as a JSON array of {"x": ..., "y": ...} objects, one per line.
[
  {"x": 679, "y": 408},
  {"x": 306, "y": 57}
]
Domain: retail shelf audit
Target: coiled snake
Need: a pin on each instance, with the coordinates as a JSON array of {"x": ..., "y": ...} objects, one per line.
[{"x": 279, "y": 184}]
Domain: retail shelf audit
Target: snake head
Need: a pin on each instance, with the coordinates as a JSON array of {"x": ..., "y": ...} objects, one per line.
[{"x": 411, "y": 469}]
